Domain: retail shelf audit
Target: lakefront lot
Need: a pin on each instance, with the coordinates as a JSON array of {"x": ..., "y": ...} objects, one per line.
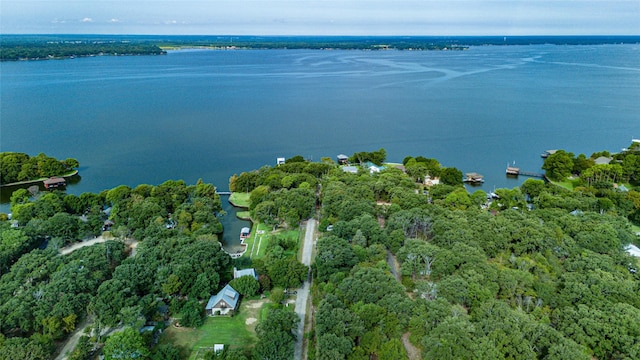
[{"x": 236, "y": 331}]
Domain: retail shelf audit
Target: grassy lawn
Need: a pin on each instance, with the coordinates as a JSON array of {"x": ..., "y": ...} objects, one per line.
[
  {"x": 240, "y": 199},
  {"x": 566, "y": 183},
  {"x": 237, "y": 331},
  {"x": 259, "y": 239},
  {"x": 257, "y": 243},
  {"x": 244, "y": 215},
  {"x": 292, "y": 235}
]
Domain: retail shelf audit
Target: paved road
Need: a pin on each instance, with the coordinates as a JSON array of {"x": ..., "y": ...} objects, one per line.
[{"x": 303, "y": 292}]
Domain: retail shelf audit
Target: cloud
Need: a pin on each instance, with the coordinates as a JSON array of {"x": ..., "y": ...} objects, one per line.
[
  {"x": 87, "y": 20},
  {"x": 114, "y": 20}
]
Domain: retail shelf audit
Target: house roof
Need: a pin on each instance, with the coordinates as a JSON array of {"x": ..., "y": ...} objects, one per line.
[
  {"x": 227, "y": 294},
  {"x": 54, "y": 180},
  {"x": 350, "y": 169},
  {"x": 370, "y": 165},
  {"x": 601, "y": 160},
  {"x": 245, "y": 272}
]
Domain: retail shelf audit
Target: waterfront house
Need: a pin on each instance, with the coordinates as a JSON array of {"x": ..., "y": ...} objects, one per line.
[
  {"x": 602, "y": 160},
  {"x": 343, "y": 159},
  {"x": 224, "y": 302},
  {"x": 373, "y": 168},
  {"x": 429, "y": 181}
]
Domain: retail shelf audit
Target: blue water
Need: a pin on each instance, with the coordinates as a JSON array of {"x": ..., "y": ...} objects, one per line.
[{"x": 209, "y": 114}]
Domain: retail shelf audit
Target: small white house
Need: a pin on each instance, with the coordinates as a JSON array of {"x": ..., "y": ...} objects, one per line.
[{"x": 223, "y": 302}]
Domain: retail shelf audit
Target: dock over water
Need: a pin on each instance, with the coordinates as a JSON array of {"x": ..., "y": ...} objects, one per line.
[{"x": 514, "y": 171}]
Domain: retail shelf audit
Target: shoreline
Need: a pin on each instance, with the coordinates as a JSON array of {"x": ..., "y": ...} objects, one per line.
[{"x": 26, "y": 182}]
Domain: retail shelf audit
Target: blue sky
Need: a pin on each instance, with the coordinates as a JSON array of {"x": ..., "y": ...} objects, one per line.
[{"x": 324, "y": 17}]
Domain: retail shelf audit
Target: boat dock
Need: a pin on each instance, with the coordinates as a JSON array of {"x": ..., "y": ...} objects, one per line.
[
  {"x": 473, "y": 178},
  {"x": 514, "y": 171},
  {"x": 223, "y": 192}
]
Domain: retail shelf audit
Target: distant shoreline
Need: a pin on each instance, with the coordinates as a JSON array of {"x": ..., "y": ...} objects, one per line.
[{"x": 43, "y": 47}]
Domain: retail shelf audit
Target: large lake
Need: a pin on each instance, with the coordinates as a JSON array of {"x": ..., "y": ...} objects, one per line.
[{"x": 209, "y": 114}]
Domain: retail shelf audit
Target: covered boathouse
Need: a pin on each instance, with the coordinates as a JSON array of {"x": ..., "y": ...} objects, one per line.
[{"x": 54, "y": 182}]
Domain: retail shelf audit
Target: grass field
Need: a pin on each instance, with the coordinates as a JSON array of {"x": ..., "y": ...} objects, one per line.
[
  {"x": 240, "y": 199},
  {"x": 259, "y": 239},
  {"x": 236, "y": 332},
  {"x": 257, "y": 243},
  {"x": 244, "y": 215},
  {"x": 566, "y": 183}
]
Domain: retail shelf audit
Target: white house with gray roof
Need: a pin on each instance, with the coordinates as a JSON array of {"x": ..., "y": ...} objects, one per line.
[{"x": 223, "y": 302}]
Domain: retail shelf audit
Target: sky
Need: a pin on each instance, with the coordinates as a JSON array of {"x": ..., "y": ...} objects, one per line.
[{"x": 323, "y": 17}]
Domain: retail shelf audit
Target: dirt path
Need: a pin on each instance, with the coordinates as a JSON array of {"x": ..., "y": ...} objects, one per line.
[
  {"x": 100, "y": 239},
  {"x": 73, "y": 339},
  {"x": 73, "y": 247},
  {"x": 393, "y": 266},
  {"x": 412, "y": 352}
]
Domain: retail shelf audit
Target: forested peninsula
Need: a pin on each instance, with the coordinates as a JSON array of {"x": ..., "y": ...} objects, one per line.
[
  {"x": 407, "y": 265},
  {"x": 18, "y": 167}
]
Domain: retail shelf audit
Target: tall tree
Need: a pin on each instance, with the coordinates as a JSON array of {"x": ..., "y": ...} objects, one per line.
[{"x": 126, "y": 344}]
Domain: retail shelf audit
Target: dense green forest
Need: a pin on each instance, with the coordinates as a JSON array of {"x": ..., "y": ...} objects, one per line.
[
  {"x": 606, "y": 177},
  {"x": 64, "y": 47},
  {"x": 15, "y": 167},
  {"x": 401, "y": 270}
]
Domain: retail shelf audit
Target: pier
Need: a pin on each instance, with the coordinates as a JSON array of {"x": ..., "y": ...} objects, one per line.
[
  {"x": 514, "y": 171},
  {"x": 531, "y": 174},
  {"x": 223, "y": 192}
]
